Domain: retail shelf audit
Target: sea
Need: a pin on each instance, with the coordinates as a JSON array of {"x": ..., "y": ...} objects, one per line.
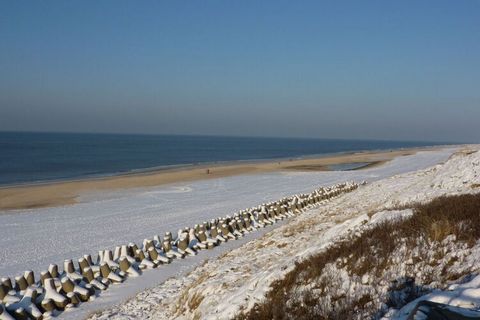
[{"x": 39, "y": 157}]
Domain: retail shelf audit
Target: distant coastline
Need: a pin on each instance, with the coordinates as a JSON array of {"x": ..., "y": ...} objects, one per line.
[{"x": 66, "y": 192}]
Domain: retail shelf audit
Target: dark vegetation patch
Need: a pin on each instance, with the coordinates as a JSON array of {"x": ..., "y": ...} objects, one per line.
[{"x": 369, "y": 253}]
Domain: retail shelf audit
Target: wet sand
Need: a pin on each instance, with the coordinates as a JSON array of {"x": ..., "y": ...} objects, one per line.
[{"x": 67, "y": 192}]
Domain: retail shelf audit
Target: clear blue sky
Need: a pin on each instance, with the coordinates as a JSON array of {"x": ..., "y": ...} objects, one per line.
[{"x": 331, "y": 69}]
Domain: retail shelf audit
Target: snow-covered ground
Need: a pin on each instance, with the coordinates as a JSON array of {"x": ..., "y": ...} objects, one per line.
[
  {"x": 220, "y": 288},
  {"x": 32, "y": 239}
]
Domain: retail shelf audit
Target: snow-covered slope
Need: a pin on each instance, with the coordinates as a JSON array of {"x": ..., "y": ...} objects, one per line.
[{"x": 237, "y": 280}]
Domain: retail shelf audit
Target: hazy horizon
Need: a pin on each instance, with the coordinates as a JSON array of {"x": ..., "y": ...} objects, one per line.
[
  {"x": 227, "y": 136},
  {"x": 403, "y": 71}
]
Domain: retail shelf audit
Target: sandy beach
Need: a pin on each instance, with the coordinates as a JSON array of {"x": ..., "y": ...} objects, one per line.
[{"x": 66, "y": 192}]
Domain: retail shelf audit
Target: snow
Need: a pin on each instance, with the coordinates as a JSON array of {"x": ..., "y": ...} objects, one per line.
[
  {"x": 466, "y": 296},
  {"x": 241, "y": 278},
  {"x": 239, "y": 272}
]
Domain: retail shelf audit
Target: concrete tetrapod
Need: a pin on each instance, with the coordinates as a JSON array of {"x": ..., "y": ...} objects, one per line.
[
  {"x": 26, "y": 305},
  {"x": 89, "y": 277},
  {"x": 144, "y": 262},
  {"x": 53, "y": 270},
  {"x": 107, "y": 273},
  {"x": 51, "y": 293},
  {"x": 127, "y": 267},
  {"x": 20, "y": 283},
  {"x": 70, "y": 272},
  {"x": 156, "y": 257},
  {"x": 69, "y": 286},
  {"x": 169, "y": 250}
]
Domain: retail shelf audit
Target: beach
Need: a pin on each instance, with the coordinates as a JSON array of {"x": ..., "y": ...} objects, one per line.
[
  {"x": 51, "y": 194},
  {"x": 120, "y": 215}
]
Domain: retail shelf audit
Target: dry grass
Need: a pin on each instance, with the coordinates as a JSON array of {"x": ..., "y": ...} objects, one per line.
[
  {"x": 371, "y": 252},
  {"x": 265, "y": 244},
  {"x": 195, "y": 301},
  {"x": 293, "y": 229},
  {"x": 189, "y": 300}
]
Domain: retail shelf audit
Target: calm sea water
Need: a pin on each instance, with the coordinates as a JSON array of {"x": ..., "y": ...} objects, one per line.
[{"x": 35, "y": 157}]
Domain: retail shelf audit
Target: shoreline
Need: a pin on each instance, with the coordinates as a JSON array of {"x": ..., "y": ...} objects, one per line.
[
  {"x": 185, "y": 166},
  {"x": 205, "y": 165},
  {"x": 66, "y": 192}
]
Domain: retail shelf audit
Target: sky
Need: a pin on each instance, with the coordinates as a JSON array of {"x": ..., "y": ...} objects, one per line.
[{"x": 401, "y": 70}]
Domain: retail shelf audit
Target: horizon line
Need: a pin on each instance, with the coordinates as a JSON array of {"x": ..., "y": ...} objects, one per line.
[{"x": 231, "y": 136}]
